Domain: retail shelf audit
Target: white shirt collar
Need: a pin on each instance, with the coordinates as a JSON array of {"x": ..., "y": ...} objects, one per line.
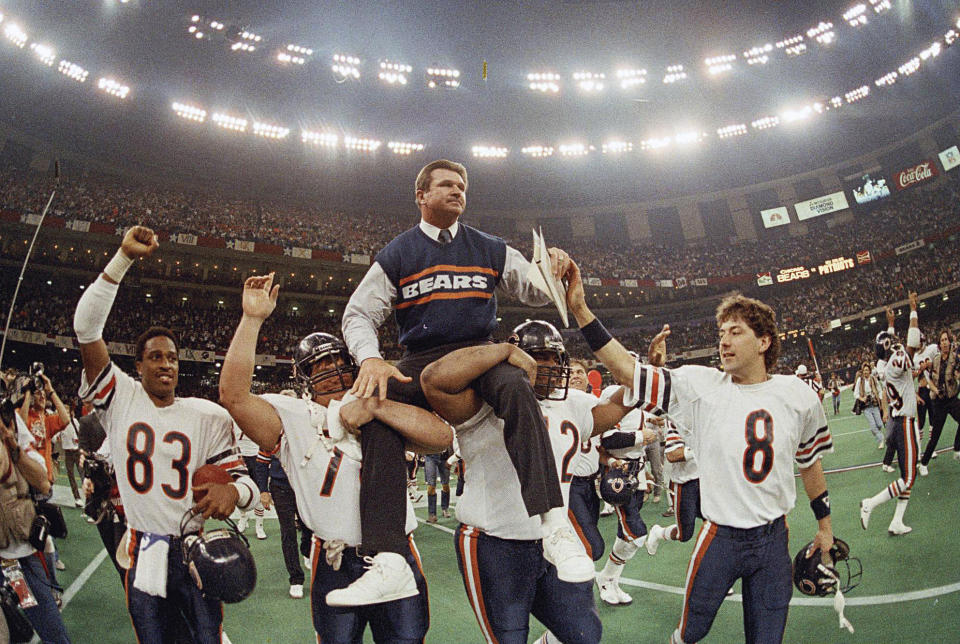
[{"x": 433, "y": 232}]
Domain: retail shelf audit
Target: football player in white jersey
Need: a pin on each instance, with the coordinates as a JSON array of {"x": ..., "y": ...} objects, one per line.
[
  {"x": 499, "y": 548},
  {"x": 156, "y": 442},
  {"x": 901, "y": 400},
  {"x": 311, "y": 437},
  {"x": 753, "y": 426},
  {"x": 249, "y": 451}
]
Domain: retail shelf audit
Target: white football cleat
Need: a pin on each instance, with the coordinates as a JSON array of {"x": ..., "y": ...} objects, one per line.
[
  {"x": 607, "y": 510},
  {"x": 608, "y": 590},
  {"x": 625, "y": 598},
  {"x": 864, "y": 514},
  {"x": 307, "y": 563},
  {"x": 922, "y": 469},
  {"x": 886, "y": 468},
  {"x": 242, "y": 524},
  {"x": 898, "y": 528},
  {"x": 387, "y": 579},
  {"x": 654, "y": 536},
  {"x": 261, "y": 533},
  {"x": 296, "y": 591},
  {"x": 562, "y": 548}
]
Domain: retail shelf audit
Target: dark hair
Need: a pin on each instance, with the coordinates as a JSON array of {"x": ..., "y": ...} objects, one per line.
[
  {"x": 949, "y": 333},
  {"x": 424, "y": 176},
  {"x": 153, "y": 332},
  {"x": 759, "y": 317}
]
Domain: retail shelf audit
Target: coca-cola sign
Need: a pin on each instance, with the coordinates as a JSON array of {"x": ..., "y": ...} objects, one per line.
[{"x": 915, "y": 174}]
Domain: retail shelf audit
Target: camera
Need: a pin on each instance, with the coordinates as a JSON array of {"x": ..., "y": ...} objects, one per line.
[{"x": 36, "y": 382}]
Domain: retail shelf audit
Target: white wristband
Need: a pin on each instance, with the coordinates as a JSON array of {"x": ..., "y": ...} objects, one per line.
[
  {"x": 117, "y": 267},
  {"x": 913, "y": 315},
  {"x": 913, "y": 337}
]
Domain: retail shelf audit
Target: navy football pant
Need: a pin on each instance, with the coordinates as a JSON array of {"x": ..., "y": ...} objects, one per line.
[
  {"x": 508, "y": 580},
  {"x": 629, "y": 524},
  {"x": 403, "y": 621},
  {"x": 155, "y": 619},
  {"x": 584, "y": 514},
  {"x": 760, "y": 557},
  {"x": 686, "y": 507}
]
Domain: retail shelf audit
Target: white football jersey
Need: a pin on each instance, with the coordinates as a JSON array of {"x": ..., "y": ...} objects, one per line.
[
  {"x": 325, "y": 480},
  {"x": 747, "y": 437},
  {"x": 680, "y": 471},
  {"x": 898, "y": 383},
  {"x": 634, "y": 420},
  {"x": 928, "y": 354},
  {"x": 156, "y": 450},
  {"x": 491, "y": 499},
  {"x": 589, "y": 462},
  {"x": 246, "y": 445}
]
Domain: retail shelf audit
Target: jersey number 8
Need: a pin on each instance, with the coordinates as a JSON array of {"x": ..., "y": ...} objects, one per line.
[{"x": 758, "y": 445}]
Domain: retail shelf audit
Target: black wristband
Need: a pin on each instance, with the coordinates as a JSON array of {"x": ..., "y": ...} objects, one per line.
[
  {"x": 821, "y": 505},
  {"x": 596, "y": 335}
]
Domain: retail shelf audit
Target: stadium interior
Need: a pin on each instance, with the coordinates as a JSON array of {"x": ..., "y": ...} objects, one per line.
[{"x": 805, "y": 154}]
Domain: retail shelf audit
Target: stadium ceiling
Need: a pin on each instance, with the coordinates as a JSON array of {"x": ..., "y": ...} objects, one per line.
[{"x": 288, "y": 67}]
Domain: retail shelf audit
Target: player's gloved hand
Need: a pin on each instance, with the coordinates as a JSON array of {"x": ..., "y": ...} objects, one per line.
[
  {"x": 373, "y": 376},
  {"x": 139, "y": 241},
  {"x": 260, "y": 296},
  {"x": 219, "y": 501}
]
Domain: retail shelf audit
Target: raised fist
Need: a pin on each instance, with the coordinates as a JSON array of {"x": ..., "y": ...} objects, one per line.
[{"x": 139, "y": 242}]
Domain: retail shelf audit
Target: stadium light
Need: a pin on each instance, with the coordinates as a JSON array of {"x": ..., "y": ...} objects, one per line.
[
  {"x": 345, "y": 67},
  {"x": 443, "y": 77},
  {"x": 719, "y": 64},
  {"x": 730, "y": 131},
  {"x": 910, "y": 67},
  {"x": 190, "y": 112},
  {"x": 44, "y": 53},
  {"x": 71, "y": 70},
  {"x": 294, "y": 54},
  {"x": 801, "y": 114},
  {"x": 886, "y": 80},
  {"x": 393, "y": 73},
  {"x": 879, "y": 6},
  {"x": 537, "y": 151},
  {"x": 403, "y": 148},
  {"x": 113, "y": 88},
  {"x": 674, "y": 73},
  {"x": 573, "y": 149},
  {"x": 321, "y": 139},
  {"x": 835, "y": 102},
  {"x": 793, "y": 46},
  {"x": 216, "y": 25},
  {"x": 15, "y": 34},
  {"x": 616, "y": 146},
  {"x": 631, "y": 77},
  {"x": 932, "y": 51},
  {"x": 489, "y": 152},
  {"x": 765, "y": 123},
  {"x": 855, "y": 95},
  {"x": 688, "y": 137},
  {"x": 950, "y": 37},
  {"x": 822, "y": 33},
  {"x": 590, "y": 81},
  {"x": 856, "y": 16},
  {"x": 361, "y": 144},
  {"x": 655, "y": 143},
  {"x": 758, "y": 55},
  {"x": 270, "y": 131},
  {"x": 228, "y": 122},
  {"x": 546, "y": 82}
]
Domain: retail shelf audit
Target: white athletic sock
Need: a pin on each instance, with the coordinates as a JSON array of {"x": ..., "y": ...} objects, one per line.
[
  {"x": 620, "y": 554},
  {"x": 877, "y": 499},
  {"x": 900, "y": 509}
]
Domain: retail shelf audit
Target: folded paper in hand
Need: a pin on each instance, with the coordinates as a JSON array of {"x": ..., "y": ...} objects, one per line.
[{"x": 541, "y": 276}]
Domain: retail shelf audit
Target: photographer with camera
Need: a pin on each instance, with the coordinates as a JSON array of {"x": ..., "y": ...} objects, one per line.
[
  {"x": 22, "y": 538},
  {"x": 44, "y": 426}
]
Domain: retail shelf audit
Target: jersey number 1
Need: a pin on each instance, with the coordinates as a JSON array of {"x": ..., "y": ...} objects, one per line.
[{"x": 758, "y": 445}]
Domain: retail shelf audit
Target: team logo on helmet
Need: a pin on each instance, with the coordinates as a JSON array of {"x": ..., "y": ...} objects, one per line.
[
  {"x": 883, "y": 344},
  {"x": 538, "y": 338},
  {"x": 617, "y": 486},
  {"x": 824, "y": 575},
  {"x": 313, "y": 349}
]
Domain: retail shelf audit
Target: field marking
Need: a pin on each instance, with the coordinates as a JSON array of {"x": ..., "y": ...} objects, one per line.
[
  {"x": 83, "y": 577},
  {"x": 872, "y": 600}
]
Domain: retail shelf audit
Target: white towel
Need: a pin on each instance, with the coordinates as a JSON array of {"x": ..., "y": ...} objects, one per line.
[{"x": 151, "y": 575}]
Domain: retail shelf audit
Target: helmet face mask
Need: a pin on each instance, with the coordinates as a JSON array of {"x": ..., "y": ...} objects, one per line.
[
  {"x": 317, "y": 348},
  {"x": 815, "y": 576},
  {"x": 542, "y": 340}
]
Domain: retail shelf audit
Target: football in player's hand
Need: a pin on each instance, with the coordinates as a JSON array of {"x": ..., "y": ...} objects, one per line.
[{"x": 208, "y": 474}]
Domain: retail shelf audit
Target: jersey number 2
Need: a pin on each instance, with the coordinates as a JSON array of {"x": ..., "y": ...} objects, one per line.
[
  {"x": 140, "y": 444},
  {"x": 758, "y": 445}
]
